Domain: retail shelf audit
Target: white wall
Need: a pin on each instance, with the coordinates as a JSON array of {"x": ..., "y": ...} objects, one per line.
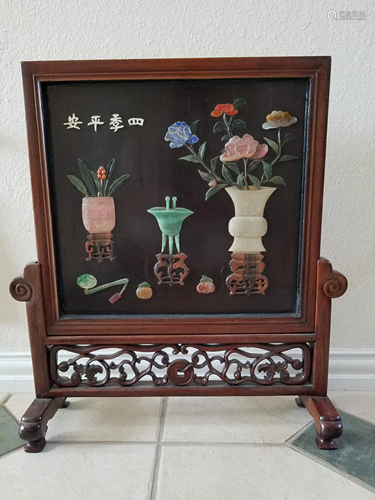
[{"x": 104, "y": 29}]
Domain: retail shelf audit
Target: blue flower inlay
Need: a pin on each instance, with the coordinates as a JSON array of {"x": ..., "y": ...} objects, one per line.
[{"x": 179, "y": 134}]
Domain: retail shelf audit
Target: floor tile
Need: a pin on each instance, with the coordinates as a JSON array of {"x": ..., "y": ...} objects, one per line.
[
  {"x": 79, "y": 471},
  {"x": 233, "y": 419},
  {"x": 231, "y": 472},
  {"x": 358, "y": 403},
  {"x": 9, "y": 439},
  {"x": 19, "y": 403},
  {"x": 355, "y": 454},
  {"x": 99, "y": 419}
]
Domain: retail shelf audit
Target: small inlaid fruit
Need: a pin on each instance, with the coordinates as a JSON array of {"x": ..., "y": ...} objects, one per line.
[
  {"x": 144, "y": 291},
  {"x": 206, "y": 285},
  {"x": 101, "y": 173}
]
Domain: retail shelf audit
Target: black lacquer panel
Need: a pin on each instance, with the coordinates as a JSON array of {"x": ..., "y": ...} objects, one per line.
[{"x": 156, "y": 172}]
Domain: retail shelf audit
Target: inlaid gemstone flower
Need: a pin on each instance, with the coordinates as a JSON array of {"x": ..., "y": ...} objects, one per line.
[
  {"x": 220, "y": 109},
  {"x": 179, "y": 134},
  {"x": 279, "y": 119},
  {"x": 245, "y": 147}
]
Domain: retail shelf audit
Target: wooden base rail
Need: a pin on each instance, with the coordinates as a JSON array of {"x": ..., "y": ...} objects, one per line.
[{"x": 243, "y": 369}]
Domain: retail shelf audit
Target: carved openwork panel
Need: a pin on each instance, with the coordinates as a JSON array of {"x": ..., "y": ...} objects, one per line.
[{"x": 180, "y": 364}]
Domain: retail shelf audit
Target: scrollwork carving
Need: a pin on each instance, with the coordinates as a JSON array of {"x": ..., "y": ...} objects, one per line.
[
  {"x": 335, "y": 286},
  {"x": 181, "y": 364},
  {"x": 20, "y": 290}
]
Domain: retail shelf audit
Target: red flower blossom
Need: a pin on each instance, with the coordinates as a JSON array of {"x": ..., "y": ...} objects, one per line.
[{"x": 224, "y": 108}]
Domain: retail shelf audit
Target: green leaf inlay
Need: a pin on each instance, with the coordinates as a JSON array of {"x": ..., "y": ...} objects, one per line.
[
  {"x": 226, "y": 175},
  {"x": 277, "y": 180},
  {"x": 191, "y": 158},
  {"x": 288, "y": 157},
  {"x": 78, "y": 184},
  {"x": 202, "y": 150},
  {"x": 254, "y": 180},
  {"x": 206, "y": 176},
  {"x": 272, "y": 144},
  {"x": 215, "y": 190},
  {"x": 118, "y": 183},
  {"x": 239, "y": 103}
]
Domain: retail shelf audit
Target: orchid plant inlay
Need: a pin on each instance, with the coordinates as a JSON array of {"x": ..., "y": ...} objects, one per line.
[
  {"x": 98, "y": 208},
  {"x": 242, "y": 161},
  {"x": 97, "y": 183}
]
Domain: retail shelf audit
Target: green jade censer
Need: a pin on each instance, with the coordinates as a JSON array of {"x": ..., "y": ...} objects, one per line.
[{"x": 170, "y": 222}]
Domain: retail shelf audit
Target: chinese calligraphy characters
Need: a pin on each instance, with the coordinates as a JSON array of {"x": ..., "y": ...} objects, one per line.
[
  {"x": 73, "y": 122},
  {"x": 115, "y": 122},
  {"x": 95, "y": 121}
]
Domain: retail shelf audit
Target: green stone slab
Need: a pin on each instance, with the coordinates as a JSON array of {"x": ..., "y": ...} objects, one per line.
[
  {"x": 9, "y": 438},
  {"x": 355, "y": 454}
]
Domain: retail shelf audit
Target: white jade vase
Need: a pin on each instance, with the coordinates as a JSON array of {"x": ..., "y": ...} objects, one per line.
[
  {"x": 98, "y": 214},
  {"x": 248, "y": 226}
]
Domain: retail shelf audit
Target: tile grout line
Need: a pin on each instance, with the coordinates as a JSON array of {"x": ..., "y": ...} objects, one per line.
[
  {"x": 12, "y": 452},
  {"x": 158, "y": 450},
  {"x": 298, "y": 433},
  {"x": 6, "y": 400},
  {"x": 93, "y": 441},
  {"x": 167, "y": 443},
  {"x": 11, "y": 414},
  {"x": 371, "y": 422},
  {"x": 220, "y": 443}
]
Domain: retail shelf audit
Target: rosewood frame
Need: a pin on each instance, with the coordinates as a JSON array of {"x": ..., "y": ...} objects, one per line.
[{"x": 37, "y": 287}]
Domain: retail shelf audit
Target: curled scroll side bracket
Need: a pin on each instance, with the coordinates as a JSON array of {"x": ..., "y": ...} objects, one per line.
[
  {"x": 20, "y": 290},
  {"x": 23, "y": 287},
  {"x": 335, "y": 286},
  {"x": 333, "y": 283}
]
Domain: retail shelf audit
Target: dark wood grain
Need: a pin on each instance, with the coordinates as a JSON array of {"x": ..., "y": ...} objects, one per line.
[
  {"x": 198, "y": 364},
  {"x": 28, "y": 288},
  {"x": 33, "y": 426},
  {"x": 330, "y": 284},
  {"x": 328, "y": 422},
  {"x": 151, "y": 391}
]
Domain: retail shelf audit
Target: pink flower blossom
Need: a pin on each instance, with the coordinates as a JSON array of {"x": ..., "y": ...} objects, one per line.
[{"x": 247, "y": 147}]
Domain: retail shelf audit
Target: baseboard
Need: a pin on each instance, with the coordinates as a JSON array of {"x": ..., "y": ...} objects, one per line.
[
  {"x": 349, "y": 370},
  {"x": 352, "y": 369},
  {"x": 16, "y": 372}
]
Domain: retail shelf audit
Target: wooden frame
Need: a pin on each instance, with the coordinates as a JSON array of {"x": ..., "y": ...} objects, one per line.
[{"x": 308, "y": 327}]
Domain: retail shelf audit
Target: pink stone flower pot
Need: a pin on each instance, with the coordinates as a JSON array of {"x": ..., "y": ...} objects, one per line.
[{"x": 98, "y": 214}]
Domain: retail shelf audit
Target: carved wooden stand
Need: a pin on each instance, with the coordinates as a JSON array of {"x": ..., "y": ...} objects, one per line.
[
  {"x": 270, "y": 369},
  {"x": 171, "y": 269},
  {"x": 100, "y": 246},
  {"x": 247, "y": 277}
]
